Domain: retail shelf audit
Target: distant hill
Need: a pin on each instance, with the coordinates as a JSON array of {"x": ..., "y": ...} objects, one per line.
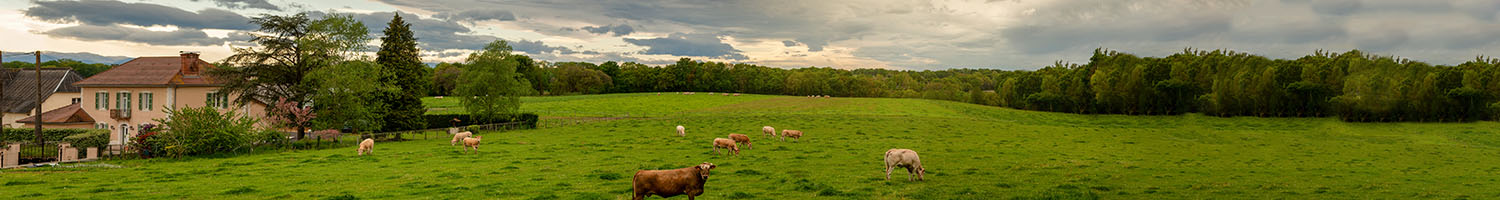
[{"x": 85, "y": 57}]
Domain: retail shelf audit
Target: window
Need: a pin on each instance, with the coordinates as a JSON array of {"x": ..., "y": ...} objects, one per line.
[
  {"x": 146, "y": 100},
  {"x": 101, "y": 100},
  {"x": 218, "y": 100},
  {"x": 77, "y": 100},
  {"x": 124, "y": 101}
]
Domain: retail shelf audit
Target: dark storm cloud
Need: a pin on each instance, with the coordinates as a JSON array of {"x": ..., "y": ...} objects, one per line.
[
  {"x": 1031, "y": 33},
  {"x": 480, "y": 15},
  {"x": 102, "y": 13},
  {"x": 1062, "y": 27},
  {"x": 181, "y": 36},
  {"x": 682, "y": 44},
  {"x": 1336, "y": 7},
  {"x": 242, "y": 4},
  {"x": 438, "y": 35},
  {"x": 618, "y": 30}
]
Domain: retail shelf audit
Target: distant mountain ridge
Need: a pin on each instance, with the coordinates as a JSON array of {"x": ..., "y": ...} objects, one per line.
[{"x": 84, "y": 57}]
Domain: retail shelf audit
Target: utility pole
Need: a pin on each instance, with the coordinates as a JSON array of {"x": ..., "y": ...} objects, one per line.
[
  {"x": 3, "y": 80},
  {"x": 38, "y": 97}
]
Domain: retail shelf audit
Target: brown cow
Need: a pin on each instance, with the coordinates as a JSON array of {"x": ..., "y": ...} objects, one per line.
[
  {"x": 367, "y": 146},
  {"x": 741, "y": 138},
  {"x": 472, "y": 142},
  {"x": 459, "y": 137},
  {"x": 668, "y": 183},
  {"x": 904, "y": 158},
  {"x": 794, "y": 134},
  {"x": 727, "y": 144}
]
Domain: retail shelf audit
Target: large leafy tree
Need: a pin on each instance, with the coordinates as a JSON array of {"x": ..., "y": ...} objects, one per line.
[
  {"x": 346, "y": 95},
  {"x": 287, "y": 49},
  {"x": 489, "y": 86},
  {"x": 445, "y": 78},
  {"x": 399, "y": 56}
]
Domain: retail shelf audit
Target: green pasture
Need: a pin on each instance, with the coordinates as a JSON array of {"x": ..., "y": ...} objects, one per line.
[{"x": 970, "y": 152}]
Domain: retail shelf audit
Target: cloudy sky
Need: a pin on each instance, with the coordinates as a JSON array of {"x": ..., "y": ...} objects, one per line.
[{"x": 899, "y": 34}]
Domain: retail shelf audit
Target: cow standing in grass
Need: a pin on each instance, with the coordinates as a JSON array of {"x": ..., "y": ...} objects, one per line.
[
  {"x": 472, "y": 142},
  {"x": 742, "y": 139},
  {"x": 367, "y": 146},
  {"x": 728, "y": 146},
  {"x": 768, "y": 131},
  {"x": 794, "y": 134},
  {"x": 904, "y": 158},
  {"x": 669, "y": 183}
]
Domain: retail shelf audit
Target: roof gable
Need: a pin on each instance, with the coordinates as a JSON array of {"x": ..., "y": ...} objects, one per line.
[
  {"x": 72, "y": 113},
  {"x": 148, "y": 71},
  {"x": 20, "y": 87}
]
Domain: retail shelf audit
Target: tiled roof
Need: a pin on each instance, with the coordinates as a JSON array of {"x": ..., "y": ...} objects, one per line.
[
  {"x": 149, "y": 71},
  {"x": 20, "y": 90},
  {"x": 67, "y": 114}
]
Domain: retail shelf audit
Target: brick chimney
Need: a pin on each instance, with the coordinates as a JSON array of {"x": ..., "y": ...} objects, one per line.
[{"x": 190, "y": 63}]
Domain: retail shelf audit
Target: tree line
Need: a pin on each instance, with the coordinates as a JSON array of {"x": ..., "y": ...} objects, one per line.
[
  {"x": 84, "y": 69},
  {"x": 1353, "y": 85}
]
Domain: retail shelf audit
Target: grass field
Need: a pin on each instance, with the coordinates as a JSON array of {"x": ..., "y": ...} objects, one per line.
[{"x": 970, "y": 151}]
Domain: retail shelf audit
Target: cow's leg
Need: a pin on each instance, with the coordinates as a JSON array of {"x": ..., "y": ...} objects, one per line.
[{"x": 910, "y": 172}]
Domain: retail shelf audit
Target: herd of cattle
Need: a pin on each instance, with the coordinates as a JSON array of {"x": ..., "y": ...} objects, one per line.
[{"x": 689, "y": 181}]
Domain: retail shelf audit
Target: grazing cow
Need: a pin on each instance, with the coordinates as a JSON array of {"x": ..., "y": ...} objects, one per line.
[
  {"x": 367, "y": 146},
  {"x": 741, "y": 138},
  {"x": 728, "y": 145},
  {"x": 787, "y": 133},
  {"x": 768, "y": 131},
  {"x": 904, "y": 158},
  {"x": 460, "y": 137},
  {"x": 472, "y": 142},
  {"x": 681, "y": 131},
  {"x": 669, "y": 183}
]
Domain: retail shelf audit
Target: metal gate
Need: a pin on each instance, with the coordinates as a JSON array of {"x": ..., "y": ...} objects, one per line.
[{"x": 33, "y": 152}]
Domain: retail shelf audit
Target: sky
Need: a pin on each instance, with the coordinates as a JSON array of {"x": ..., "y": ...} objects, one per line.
[{"x": 892, "y": 34}]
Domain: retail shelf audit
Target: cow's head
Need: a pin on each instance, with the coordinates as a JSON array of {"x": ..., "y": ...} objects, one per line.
[
  {"x": 921, "y": 171},
  {"x": 704, "y": 168}
]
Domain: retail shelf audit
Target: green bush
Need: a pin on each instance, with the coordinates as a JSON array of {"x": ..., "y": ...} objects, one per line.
[
  {"x": 89, "y": 138},
  {"x": 446, "y": 120},
  {"x": 26, "y": 134},
  {"x": 202, "y": 130}
]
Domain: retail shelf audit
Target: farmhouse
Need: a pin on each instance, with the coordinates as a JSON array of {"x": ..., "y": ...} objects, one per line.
[
  {"x": 18, "y": 92},
  {"x": 140, "y": 91}
]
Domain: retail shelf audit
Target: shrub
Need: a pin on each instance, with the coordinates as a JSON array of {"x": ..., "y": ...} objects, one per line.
[
  {"x": 446, "y": 120},
  {"x": 202, "y": 130},
  {"x": 26, "y": 134},
  {"x": 90, "y": 138}
]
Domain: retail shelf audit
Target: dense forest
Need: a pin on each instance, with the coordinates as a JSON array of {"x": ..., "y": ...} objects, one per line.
[{"x": 1353, "y": 85}]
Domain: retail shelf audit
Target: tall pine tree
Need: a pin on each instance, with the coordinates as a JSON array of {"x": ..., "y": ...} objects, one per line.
[{"x": 398, "y": 53}]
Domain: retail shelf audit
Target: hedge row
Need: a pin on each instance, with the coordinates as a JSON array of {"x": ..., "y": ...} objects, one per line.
[
  {"x": 26, "y": 134},
  {"x": 446, "y": 120}
]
